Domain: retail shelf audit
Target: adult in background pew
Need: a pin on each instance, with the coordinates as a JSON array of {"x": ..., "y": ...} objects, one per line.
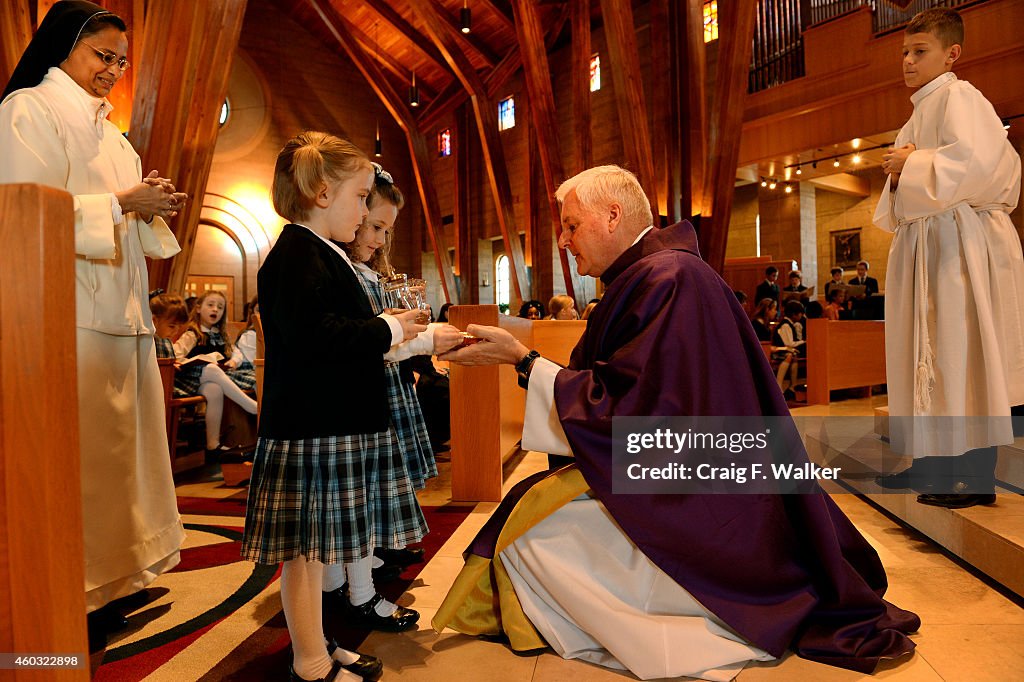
[
  {"x": 678, "y": 592},
  {"x": 54, "y": 131}
]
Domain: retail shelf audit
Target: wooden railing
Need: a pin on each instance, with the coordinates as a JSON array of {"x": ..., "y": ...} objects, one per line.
[
  {"x": 42, "y": 574},
  {"x": 487, "y": 404},
  {"x": 885, "y": 16}
]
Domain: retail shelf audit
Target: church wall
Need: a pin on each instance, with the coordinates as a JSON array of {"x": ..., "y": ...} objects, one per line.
[
  {"x": 743, "y": 223},
  {"x": 840, "y": 212}
]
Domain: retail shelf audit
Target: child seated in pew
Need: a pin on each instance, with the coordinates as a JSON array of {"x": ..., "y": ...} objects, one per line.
[
  {"x": 212, "y": 381},
  {"x": 836, "y": 308},
  {"x": 170, "y": 315},
  {"x": 246, "y": 341},
  {"x": 789, "y": 340}
]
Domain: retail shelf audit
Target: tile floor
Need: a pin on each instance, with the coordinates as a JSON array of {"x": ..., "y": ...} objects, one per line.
[{"x": 971, "y": 632}]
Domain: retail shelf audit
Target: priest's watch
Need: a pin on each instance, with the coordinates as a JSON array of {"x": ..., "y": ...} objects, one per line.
[{"x": 525, "y": 366}]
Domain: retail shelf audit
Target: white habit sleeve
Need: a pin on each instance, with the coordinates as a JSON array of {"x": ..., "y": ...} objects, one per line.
[
  {"x": 542, "y": 430},
  {"x": 33, "y": 153}
]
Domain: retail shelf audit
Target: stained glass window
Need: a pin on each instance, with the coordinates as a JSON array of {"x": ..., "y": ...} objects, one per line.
[
  {"x": 710, "y": 20},
  {"x": 444, "y": 142},
  {"x": 595, "y": 73},
  {"x": 507, "y": 113}
]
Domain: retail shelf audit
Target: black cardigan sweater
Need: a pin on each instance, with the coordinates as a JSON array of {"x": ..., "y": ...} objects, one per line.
[{"x": 324, "y": 371}]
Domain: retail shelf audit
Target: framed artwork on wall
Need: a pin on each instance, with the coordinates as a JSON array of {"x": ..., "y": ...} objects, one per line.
[{"x": 846, "y": 248}]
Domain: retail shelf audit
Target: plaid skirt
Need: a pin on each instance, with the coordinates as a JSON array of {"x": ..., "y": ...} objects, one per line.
[
  {"x": 411, "y": 428},
  {"x": 188, "y": 378},
  {"x": 329, "y": 499}
]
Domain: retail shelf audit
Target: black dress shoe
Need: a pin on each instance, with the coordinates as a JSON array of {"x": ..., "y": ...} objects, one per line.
[
  {"x": 365, "y": 615},
  {"x": 956, "y": 501},
  {"x": 386, "y": 573},
  {"x": 400, "y": 557},
  {"x": 370, "y": 668},
  {"x": 337, "y": 600}
]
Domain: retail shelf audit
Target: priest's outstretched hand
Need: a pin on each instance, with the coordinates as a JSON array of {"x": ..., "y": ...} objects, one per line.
[{"x": 498, "y": 347}]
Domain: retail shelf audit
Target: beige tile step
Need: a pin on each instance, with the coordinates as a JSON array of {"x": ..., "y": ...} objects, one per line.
[
  {"x": 1009, "y": 468},
  {"x": 990, "y": 538}
]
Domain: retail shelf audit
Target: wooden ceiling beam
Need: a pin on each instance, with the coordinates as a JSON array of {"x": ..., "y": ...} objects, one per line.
[
  {"x": 630, "y": 103},
  {"x": 389, "y": 62},
  {"x": 503, "y": 9},
  {"x": 454, "y": 94},
  {"x": 583, "y": 146},
  {"x": 471, "y": 39},
  {"x": 545, "y": 121},
  {"x": 486, "y": 115},
  {"x": 418, "y": 148},
  {"x": 736, "y": 32},
  {"x": 408, "y": 31}
]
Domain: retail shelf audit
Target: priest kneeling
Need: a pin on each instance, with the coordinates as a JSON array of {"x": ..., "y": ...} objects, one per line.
[{"x": 663, "y": 585}]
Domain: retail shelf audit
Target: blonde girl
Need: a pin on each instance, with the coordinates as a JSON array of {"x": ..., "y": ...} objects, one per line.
[{"x": 314, "y": 498}]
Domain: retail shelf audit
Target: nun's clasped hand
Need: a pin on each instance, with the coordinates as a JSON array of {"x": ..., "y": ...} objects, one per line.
[{"x": 153, "y": 196}]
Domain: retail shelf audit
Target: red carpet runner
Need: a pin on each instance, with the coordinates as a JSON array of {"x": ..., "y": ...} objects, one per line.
[{"x": 264, "y": 654}]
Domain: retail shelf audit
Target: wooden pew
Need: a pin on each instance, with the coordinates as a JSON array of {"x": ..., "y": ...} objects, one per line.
[
  {"x": 42, "y": 577},
  {"x": 173, "y": 407},
  {"x": 487, "y": 404},
  {"x": 843, "y": 354}
]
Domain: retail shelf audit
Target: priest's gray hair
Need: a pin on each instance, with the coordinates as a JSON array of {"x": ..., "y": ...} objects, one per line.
[{"x": 599, "y": 187}]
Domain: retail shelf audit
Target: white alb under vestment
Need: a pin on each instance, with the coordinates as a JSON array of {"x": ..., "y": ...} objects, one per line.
[
  {"x": 58, "y": 135},
  {"x": 954, "y": 304},
  {"x": 593, "y": 595}
]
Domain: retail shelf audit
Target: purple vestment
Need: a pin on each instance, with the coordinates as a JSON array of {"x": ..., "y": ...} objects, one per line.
[{"x": 784, "y": 571}]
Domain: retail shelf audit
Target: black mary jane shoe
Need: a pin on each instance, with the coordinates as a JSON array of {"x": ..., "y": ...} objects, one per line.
[
  {"x": 368, "y": 667},
  {"x": 365, "y": 615},
  {"x": 956, "y": 501},
  {"x": 400, "y": 557}
]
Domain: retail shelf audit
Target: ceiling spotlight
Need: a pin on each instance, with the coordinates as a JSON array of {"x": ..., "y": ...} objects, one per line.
[
  {"x": 772, "y": 184},
  {"x": 1006, "y": 124},
  {"x": 465, "y": 17},
  {"x": 799, "y": 170},
  {"x": 856, "y": 158},
  {"x": 764, "y": 183},
  {"x": 377, "y": 147},
  {"x": 789, "y": 189},
  {"x": 836, "y": 163},
  {"x": 414, "y": 92}
]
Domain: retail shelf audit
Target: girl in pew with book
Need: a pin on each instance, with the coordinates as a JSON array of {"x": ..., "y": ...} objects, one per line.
[{"x": 199, "y": 352}]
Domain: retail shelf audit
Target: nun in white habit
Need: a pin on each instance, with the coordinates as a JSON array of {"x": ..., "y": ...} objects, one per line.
[{"x": 54, "y": 131}]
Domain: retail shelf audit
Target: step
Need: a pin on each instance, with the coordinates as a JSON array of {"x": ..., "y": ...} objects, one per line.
[{"x": 990, "y": 538}]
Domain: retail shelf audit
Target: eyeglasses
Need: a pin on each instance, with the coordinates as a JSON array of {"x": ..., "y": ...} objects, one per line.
[{"x": 109, "y": 58}]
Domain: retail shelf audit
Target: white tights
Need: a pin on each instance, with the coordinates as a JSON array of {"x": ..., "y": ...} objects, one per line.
[
  {"x": 214, "y": 385},
  {"x": 302, "y": 599}
]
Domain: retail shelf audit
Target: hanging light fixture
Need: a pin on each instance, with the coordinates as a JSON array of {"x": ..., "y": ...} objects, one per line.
[
  {"x": 836, "y": 163},
  {"x": 799, "y": 170},
  {"x": 377, "y": 147},
  {"x": 465, "y": 17},
  {"x": 414, "y": 92},
  {"x": 772, "y": 184},
  {"x": 789, "y": 189},
  {"x": 764, "y": 183}
]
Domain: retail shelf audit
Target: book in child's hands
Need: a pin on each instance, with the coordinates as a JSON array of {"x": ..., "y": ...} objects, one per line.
[{"x": 205, "y": 358}]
